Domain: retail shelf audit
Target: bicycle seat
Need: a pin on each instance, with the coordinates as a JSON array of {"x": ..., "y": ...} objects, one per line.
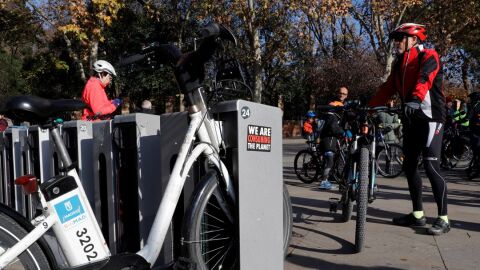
[{"x": 37, "y": 109}]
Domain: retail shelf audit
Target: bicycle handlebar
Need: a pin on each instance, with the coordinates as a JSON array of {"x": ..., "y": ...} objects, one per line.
[
  {"x": 188, "y": 66},
  {"x": 131, "y": 59}
]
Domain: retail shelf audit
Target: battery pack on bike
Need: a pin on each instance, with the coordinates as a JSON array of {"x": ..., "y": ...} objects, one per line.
[{"x": 75, "y": 228}]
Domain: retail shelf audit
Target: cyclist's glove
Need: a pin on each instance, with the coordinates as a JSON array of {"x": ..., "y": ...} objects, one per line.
[
  {"x": 117, "y": 102},
  {"x": 411, "y": 107}
]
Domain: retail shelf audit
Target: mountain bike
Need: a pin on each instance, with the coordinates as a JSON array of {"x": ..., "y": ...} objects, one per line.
[
  {"x": 309, "y": 162},
  {"x": 389, "y": 155},
  {"x": 456, "y": 150},
  {"x": 210, "y": 228},
  {"x": 358, "y": 182}
]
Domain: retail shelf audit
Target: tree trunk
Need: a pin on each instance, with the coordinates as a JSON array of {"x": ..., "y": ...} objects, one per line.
[
  {"x": 281, "y": 103},
  {"x": 465, "y": 80},
  {"x": 76, "y": 60},
  {"x": 93, "y": 53},
  {"x": 388, "y": 66},
  {"x": 181, "y": 102},
  {"x": 170, "y": 104},
  {"x": 389, "y": 47},
  {"x": 257, "y": 69},
  {"x": 257, "y": 53},
  {"x": 312, "y": 106}
]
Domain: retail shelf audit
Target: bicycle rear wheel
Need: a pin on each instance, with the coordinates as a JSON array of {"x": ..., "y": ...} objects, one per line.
[
  {"x": 10, "y": 234},
  {"x": 390, "y": 161},
  {"x": 210, "y": 237},
  {"x": 362, "y": 198},
  {"x": 306, "y": 166},
  {"x": 462, "y": 159}
]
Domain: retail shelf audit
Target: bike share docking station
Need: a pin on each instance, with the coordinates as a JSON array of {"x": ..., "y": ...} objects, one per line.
[
  {"x": 253, "y": 138},
  {"x": 125, "y": 164}
]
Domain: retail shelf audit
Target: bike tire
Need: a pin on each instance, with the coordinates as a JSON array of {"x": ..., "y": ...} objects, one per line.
[
  {"x": 390, "y": 164},
  {"x": 287, "y": 220},
  {"x": 211, "y": 215},
  {"x": 306, "y": 166},
  {"x": 32, "y": 258},
  {"x": 463, "y": 161},
  {"x": 362, "y": 198}
]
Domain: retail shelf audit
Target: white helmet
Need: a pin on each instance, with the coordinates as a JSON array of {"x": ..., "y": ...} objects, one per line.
[{"x": 104, "y": 66}]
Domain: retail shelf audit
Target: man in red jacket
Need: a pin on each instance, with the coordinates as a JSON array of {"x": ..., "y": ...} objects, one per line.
[
  {"x": 417, "y": 78},
  {"x": 99, "y": 106}
]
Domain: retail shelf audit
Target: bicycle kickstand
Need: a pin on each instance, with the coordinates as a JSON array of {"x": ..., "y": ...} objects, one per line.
[{"x": 334, "y": 205}]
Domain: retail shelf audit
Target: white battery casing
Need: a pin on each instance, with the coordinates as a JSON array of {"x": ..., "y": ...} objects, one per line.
[{"x": 76, "y": 229}]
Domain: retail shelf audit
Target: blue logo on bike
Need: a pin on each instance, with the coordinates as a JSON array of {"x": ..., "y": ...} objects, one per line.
[{"x": 69, "y": 209}]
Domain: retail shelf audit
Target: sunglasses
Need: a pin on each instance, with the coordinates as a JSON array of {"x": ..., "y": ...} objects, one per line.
[
  {"x": 399, "y": 38},
  {"x": 343, "y": 94}
]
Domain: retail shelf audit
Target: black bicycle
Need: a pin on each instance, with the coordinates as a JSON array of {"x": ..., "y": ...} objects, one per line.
[
  {"x": 456, "y": 150},
  {"x": 309, "y": 163},
  {"x": 389, "y": 155},
  {"x": 358, "y": 178}
]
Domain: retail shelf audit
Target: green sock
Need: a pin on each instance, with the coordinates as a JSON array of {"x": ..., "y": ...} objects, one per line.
[
  {"x": 445, "y": 218},
  {"x": 418, "y": 214}
]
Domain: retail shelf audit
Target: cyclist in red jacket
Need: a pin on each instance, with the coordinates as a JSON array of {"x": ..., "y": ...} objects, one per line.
[
  {"x": 99, "y": 106},
  {"x": 417, "y": 78}
]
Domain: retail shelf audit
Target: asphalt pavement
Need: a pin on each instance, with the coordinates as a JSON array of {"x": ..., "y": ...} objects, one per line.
[{"x": 322, "y": 241}]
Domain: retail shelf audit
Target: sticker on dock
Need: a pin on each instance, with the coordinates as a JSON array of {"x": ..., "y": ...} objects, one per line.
[{"x": 259, "y": 138}]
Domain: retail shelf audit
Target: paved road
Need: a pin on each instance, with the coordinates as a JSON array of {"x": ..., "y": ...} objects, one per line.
[{"x": 321, "y": 241}]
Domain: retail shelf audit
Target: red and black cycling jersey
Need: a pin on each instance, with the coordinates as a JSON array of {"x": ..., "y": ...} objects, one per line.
[{"x": 416, "y": 75}]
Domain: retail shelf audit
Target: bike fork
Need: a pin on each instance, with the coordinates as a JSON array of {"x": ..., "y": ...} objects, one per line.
[{"x": 373, "y": 173}]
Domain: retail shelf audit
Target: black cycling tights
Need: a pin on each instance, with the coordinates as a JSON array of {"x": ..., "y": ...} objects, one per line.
[{"x": 424, "y": 137}]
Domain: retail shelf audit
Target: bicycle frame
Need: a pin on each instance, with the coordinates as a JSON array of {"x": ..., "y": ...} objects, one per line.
[
  {"x": 209, "y": 137},
  {"x": 362, "y": 140},
  {"x": 177, "y": 179}
]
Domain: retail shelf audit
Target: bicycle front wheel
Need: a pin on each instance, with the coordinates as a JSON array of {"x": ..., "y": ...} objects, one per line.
[
  {"x": 210, "y": 237},
  {"x": 362, "y": 198},
  {"x": 306, "y": 166},
  {"x": 390, "y": 161},
  {"x": 10, "y": 234}
]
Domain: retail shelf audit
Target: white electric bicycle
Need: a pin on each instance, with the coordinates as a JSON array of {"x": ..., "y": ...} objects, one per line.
[{"x": 210, "y": 228}]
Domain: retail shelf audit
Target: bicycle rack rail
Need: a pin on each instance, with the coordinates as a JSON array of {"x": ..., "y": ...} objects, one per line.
[
  {"x": 125, "y": 164},
  {"x": 15, "y": 156}
]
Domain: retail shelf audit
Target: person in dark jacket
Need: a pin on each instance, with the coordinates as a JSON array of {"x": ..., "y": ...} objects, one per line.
[
  {"x": 417, "y": 77},
  {"x": 328, "y": 143},
  {"x": 474, "y": 127}
]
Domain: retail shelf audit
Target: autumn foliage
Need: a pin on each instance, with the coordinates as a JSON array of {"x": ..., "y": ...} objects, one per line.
[{"x": 298, "y": 51}]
